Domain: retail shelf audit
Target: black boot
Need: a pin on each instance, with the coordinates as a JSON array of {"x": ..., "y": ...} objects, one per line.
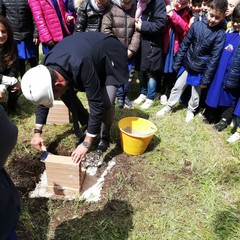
[{"x": 103, "y": 145}]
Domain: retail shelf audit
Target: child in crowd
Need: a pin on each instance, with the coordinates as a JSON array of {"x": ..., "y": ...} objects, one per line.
[
  {"x": 51, "y": 20},
  {"x": 196, "y": 8},
  {"x": 150, "y": 25},
  {"x": 178, "y": 17},
  {"x": 231, "y": 6},
  {"x": 120, "y": 22},
  {"x": 224, "y": 90},
  {"x": 198, "y": 56},
  {"x": 205, "y": 7},
  {"x": 89, "y": 14}
]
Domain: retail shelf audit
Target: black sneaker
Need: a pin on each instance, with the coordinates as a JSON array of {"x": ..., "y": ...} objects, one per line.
[
  {"x": 103, "y": 145},
  {"x": 221, "y": 125},
  {"x": 128, "y": 103}
]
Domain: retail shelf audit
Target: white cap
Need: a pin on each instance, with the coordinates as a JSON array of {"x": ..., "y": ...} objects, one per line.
[{"x": 36, "y": 86}]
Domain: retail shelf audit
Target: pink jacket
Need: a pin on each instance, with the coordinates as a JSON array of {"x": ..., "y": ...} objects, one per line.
[
  {"x": 47, "y": 21},
  {"x": 181, "y": 26}
]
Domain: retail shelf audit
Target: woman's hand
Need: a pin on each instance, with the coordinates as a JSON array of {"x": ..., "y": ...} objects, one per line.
[{"x": 16, "y": 87}]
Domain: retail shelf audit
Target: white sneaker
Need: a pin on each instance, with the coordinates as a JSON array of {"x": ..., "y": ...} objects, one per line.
[
  {"x": 140, "y": 99},
  {"x": 163, "y": 100},
  {"x": 233, "y": 123},
  {"x": 190, "y": 116},
  {"x": 233, "y": 138},
  {"x": 163, "y": 111},
  {"x": 147, "y": 104}
]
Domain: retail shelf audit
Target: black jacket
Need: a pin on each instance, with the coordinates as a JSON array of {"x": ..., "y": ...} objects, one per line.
[
  {"x": 153, "y": 24},
  {"x": 201, "y": 50},
  {"x": 20, "y": 17},
  {"x": 88, "y": 19},
  {"x": 89, "y": 61}
]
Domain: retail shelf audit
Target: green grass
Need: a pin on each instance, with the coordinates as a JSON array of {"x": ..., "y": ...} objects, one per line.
[{"x": 185, "y": 186}]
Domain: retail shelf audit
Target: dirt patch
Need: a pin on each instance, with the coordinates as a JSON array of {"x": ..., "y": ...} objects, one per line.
[{"x": 26, "y": 171}]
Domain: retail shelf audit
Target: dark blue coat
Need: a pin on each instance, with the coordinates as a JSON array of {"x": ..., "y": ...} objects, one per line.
[
  {"x": 153, "y": 24},
  {"x": 201, "y": 50}
]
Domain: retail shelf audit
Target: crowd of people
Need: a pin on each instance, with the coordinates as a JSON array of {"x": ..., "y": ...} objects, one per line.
[{"x": 183, "y": 51}]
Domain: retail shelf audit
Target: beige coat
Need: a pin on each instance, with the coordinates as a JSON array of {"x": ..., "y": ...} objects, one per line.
[{"x": 122, "y": 25}]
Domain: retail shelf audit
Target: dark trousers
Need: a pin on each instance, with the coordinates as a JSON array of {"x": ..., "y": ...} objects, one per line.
[
  {"x": 122, "y": 91},
  {"x": 214, "y": 115},
  {"x": 168, "y": 82},
  {"x": 75, "y": 106}
]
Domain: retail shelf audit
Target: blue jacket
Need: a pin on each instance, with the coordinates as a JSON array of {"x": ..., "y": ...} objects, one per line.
[
  {"x": 233, "y": 79},
  {"x": 201, "y": 50}
]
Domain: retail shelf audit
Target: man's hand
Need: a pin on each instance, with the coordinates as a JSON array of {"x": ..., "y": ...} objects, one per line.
[
  {"x": 37, "y": 142},
  {"x": 79, "y": 153}
]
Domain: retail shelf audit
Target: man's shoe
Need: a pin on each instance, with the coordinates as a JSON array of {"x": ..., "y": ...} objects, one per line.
[
  {"x": 128, "y": 103},
  {"x": 221, "y": 125},
  {"x": 103, "y": 145},
  {"x": 163, "y": 111},
  {"x": 147, "y": 104},
  {"x": 163, "y": 100},
  {"x": 234, "y": 138},
  {"x": 140, "y": 99},
  {"x": 189, "y": 116}
]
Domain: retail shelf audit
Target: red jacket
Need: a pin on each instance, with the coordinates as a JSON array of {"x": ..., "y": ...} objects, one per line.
[
  {"x": 47, "y": 21},
  {"x": 181, "y": 26}
]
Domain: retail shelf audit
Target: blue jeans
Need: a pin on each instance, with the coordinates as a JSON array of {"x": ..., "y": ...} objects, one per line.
[{"x": 148, "y": 83}]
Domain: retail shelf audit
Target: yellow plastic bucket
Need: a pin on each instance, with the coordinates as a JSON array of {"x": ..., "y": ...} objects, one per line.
[{"x": 135, "y": 134}]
